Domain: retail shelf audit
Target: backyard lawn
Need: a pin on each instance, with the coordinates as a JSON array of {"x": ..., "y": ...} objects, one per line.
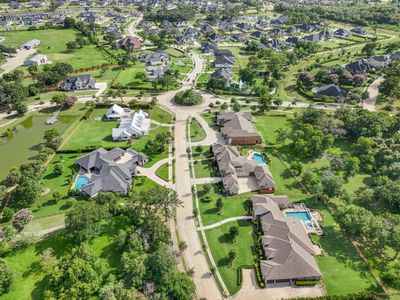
[
  {"x": 162, "y": 172},
  {"x": 233, "y": 206},
  {"x": 268, "y": 123},
  {"x": 220, "y": 244},
  {"x": 159, "y": 114},
  {"x": 197, "y": 133},
  {"x": 203, "y": 154},
  {"x": 205, "y": 168},
  {"x": 94, "y": 132}
]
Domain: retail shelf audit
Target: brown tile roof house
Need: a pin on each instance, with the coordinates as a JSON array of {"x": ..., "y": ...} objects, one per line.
[
  {"x": 237, "y": 128},
  {"x": 232, "y": 165},
  {"x": 129, "y": 42},
  {"x": 287, "y": 247}
]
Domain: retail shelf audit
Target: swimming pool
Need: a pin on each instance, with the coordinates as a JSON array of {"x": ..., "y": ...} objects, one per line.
[
  {"x": 81, "y": 181},
  {"x": 259, "y": 158},
  {"x": 302, "y": 215}
]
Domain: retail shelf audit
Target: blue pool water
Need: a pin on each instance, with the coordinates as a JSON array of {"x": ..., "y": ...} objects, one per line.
[
  {"x": 302, "y": 215},
  {"x": 258, "y": 158},
  {"x": 81, "y": 181}
]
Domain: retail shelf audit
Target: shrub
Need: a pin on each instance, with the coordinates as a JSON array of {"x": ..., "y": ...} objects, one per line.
[
  {"x": 7, "y": 214},
  {"x": 5, "y": 277},
  {"x": 306, "y": 282},
  {"x": 188, "y": 98},
  {"x": 21, "y": 219},
  {"x": 239, "y": 276}
]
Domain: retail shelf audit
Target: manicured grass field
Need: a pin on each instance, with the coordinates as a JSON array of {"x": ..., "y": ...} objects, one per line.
[
  {"x": 234, "y": 206},
  {"x": 205, "y": 169},
  {"x": 343, "y": 271},
  {"x": 97, "y": 133},
  {"x": 268, "y": 123},
  {"x": 197, "y": 132},
  {"x": 209, "y": 117},
  {"x": 53, "y": 44},
  {"x": 220, "y": 244},
  {"x": 161, "y": 115},
  {"x": 162, "y": 172}
]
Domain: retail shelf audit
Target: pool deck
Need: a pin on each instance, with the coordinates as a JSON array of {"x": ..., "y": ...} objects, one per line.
[{"x": 315, "y": 218}]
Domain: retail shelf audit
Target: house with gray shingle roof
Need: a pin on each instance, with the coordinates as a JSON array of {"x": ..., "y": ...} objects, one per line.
[
  {"x": 109, "y": 171},
  {"x": 287, "y": 246}
]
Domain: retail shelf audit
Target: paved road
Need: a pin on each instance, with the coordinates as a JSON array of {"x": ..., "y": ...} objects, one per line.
[
  {"x": 132, "y": 27},
  {"x": 373, "y": 91},
  {"x": 16, "y": 61}
]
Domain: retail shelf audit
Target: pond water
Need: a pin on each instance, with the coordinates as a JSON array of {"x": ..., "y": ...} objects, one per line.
[{"x": 22, "y": 142}]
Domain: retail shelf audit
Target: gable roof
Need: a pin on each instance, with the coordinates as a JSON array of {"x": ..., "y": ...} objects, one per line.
[{"x": 236, "y": 124}]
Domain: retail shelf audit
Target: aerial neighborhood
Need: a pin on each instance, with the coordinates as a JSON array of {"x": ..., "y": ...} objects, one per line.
[{"x": 179, "y": 150}]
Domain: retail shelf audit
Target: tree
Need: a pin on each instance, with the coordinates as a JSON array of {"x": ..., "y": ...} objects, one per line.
[
  {"x": 28, "y": 190},
  {"x": 117, "y": 291},
  {"x": 182, "y": 245},
  {"x": 142, "y": 76},
  {"x": 351, "y": 166},
  {"x": 206, "y": 188},
  {"x": 133, "y": 268},
  {"x": 160, "y": 264},
  {"x": 233, "y": 233},
  {"x": 332, "y": 185},
  {"x": 58, "y": 99},
  {"x": 369, "y": 48},
  {"x": 247, "y": 75},
  {"x": 231, "y": 257},
  {"x": 13, "y": 176},
  {"x": 219, "y": 205},
  {"x": 236, "y": 106},
  {"x": 52, "y": 138},
  {"x": 188, "y": 98},
  {"x": 282, "y": 134},
  {"x": 153, "y": 101},
  {"x": 6, "y": 277},
  {"x": 58, "y": 169},
  {"x": 179, "y": 287},
  {"x": 82, "y": 222},
  {"x": 71, "y": 46},
  {"x": 78, "y": 275},
  {"x": 3, "y": 192},
  {"x": 56, "y": 196},
  {"x": 47, "y": 258},
  {"x": 264, "y": 103},
  {"x": 70, "y": 101},
  {"x": 296, "y": 167},
  {"x": 22, "y": 218}
]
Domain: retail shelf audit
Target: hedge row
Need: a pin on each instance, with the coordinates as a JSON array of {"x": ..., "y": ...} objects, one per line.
[
  {"x": 86, "y": 149},
  {"x": 239, "y": 276},
  {"x": 367, "y": 295},
  {"x": 306, "y": 282}
]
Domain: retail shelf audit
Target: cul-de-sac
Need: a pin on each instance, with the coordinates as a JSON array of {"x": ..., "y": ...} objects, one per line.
[{"x": 206, "y": 150}]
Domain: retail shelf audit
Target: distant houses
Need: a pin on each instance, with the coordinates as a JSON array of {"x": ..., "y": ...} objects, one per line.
[
  {"x": 237, "y": 129},
  {"x": 108, "y": 171},
  {"x": 78, "y": 83},
  {"x": 115, "y": 112},
  {"x": 133, "y": 127},
  {"x": 233, "y": 167},
  {"x": 156, "y": 58}
]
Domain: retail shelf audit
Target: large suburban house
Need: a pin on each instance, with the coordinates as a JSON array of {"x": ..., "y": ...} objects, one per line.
[
  {"x": 288, "y": 250},
  {"x": 129, "y": 43},
  {"x": 330, "y": 90},
  {"x": 115, "y": 112},
  {"x": 108, "y": 171},
  {"x": 156, "y": 58},
  {"x": 36, "y": 60},
  {"x": 78, "y": 83},
  {"x": 237, "y": 129},
  {"x": 374, "y": 63},
  {"x": 135, "y": 126},
  {"x": 233, "y": 166}
]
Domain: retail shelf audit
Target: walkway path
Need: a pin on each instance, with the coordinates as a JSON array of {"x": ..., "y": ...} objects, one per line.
[
  {"x": 224, "y": 222},
  {"x": 373, "y": 91},
  {"x": 209, "y": 180},
  {"x": 151, "y": 172}
]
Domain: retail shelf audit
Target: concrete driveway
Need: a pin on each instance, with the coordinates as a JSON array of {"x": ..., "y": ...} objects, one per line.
[
  {"x": 373, "y": 91},
  {"x": 18, "y": 60},
  {"x": 250, "y": 290}
]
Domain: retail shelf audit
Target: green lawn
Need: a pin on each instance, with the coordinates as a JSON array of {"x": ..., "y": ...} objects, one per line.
[
  {"x": 209, "y": 117},
  {"x": 234, "y": 206},
  {"x": 97, "y": 133},
  {"x": 268, "y": 123},
  {"x": 161, "y": 115},
  {"x": 205, "y": 169},
  {"x": 203, "y": 154},
  {"x": 53, "y": 44},
  {"x": 343, "y": 271},
  {"x": 143, "y": 183},
  {"x": 162, "y": 172},
  {"x": 220, "y": 244},
  {"x": 197, "y": 132}
]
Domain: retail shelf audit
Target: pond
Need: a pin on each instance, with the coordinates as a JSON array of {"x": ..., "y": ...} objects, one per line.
[{"x": 22, "y": 142}]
